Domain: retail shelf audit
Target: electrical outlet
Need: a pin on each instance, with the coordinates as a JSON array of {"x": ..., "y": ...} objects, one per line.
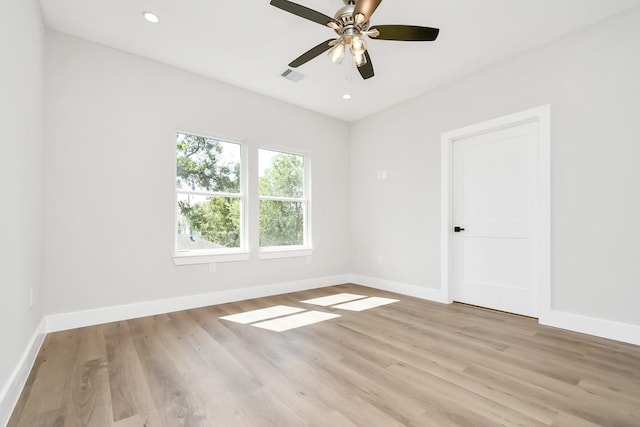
[
  {"x": 32, "y": 296},
  {"x": 379, "y": 259},
  {"x": 212, "y": 267}
]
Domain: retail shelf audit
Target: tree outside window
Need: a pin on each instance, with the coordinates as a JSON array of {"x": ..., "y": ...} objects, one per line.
[
  {"x": 210, "y": 199},
  {"x": 209, "y": 194},
  {"x": 282, "y": 199}
]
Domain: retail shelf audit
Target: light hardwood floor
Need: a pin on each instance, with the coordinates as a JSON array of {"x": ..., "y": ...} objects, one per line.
[{"x": 411, "y": 363}]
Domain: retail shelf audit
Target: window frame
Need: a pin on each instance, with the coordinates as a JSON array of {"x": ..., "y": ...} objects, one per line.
[
  {"x": 288, "y": 251},
  {"x": 204, "y": 256}
]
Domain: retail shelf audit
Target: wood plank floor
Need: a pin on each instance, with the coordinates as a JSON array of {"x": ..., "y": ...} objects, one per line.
[{"x": 410, "y": 363}]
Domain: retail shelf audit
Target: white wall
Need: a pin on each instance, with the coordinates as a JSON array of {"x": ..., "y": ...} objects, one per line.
[
  {"x": 591, "y": 79},
  {"x": 110, "y": 177},
  {"x": 21, "y": 186}
]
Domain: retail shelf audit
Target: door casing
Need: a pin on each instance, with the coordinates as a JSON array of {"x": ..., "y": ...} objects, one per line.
[{"x": 542, "y": 117}]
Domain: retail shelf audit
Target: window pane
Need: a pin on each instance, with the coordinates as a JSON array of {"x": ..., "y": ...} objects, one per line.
[
  {"x": 208, "y": 222},
  {"x": 205, "y": 164},
  {"x": 281, "y": 174},
  {"x": 281, "y": 223}
]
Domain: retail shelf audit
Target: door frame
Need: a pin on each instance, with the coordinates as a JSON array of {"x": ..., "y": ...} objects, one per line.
[{"x": 542, "y": 217}]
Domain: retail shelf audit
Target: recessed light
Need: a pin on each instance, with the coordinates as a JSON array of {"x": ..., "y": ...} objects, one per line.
[
  {"x": 346, "y": 96},
  {"x": 151, "y": 17}
]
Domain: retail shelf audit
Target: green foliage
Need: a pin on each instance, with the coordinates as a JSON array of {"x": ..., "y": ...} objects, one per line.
[
  {"x": 217, "y": 220},
  {"x": 282, "y": 222},
  {"x": 199, "y": 168},
  {"x": 284, "y": 177}
]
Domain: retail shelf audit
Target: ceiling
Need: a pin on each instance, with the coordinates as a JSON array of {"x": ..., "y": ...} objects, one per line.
[{"x": 248, "y": 43}]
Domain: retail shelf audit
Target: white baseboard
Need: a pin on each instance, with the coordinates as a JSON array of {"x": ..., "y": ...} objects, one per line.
[
  {"x": 12, "y": 389},
  {"x": 79, "y": 319},
  {"x": 430, "y": 294},
  {"x": 609, "y": 329}
]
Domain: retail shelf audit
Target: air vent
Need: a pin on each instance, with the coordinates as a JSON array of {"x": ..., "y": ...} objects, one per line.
[{"x": 294, "y": 76}]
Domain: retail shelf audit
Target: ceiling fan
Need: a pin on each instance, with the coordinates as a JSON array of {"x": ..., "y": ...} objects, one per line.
[{"x": 351, "y": 23}]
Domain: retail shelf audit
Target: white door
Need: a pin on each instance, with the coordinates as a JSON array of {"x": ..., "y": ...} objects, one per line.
[{"x": 494, "y": 206}]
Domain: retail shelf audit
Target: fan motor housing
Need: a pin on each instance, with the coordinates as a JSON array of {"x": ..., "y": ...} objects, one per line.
[
  {"x": 345, "y": 17},
  {"x": 345, "y": 14}
]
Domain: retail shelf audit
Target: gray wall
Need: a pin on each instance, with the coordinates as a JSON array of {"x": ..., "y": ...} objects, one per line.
[
  {"x": 591, "y": 79},
  {"x": 21, "y": 150},
  {"x": 110, "y": 177}
]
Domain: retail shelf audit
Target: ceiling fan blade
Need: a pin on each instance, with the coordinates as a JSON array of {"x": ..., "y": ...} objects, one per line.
[
  {"x": 407, "y": 33},
  {"x": 366, "y": 7},
  {"x": 311, "y": 53},
  {"x": 366, "y": 70},
  {"x": 305, "y": 12}
]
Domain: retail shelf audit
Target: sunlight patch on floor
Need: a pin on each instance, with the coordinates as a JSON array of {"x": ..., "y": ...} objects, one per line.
[
  {"x": 333, "y": 299},
  {"x": 295, "y": 321},
  {"x": 262, "y": 314},
  {"x": 282, "y": 318},
  {"x": 365, "y": 304}
]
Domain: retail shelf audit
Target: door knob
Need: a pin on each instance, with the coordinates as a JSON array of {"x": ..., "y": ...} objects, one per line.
[{"x": 458, "y": 229}]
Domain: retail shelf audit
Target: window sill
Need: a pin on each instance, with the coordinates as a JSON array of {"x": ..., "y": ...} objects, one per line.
[
  {"x": 274, "y": 253},
  {"x": 206, "y": 258}
]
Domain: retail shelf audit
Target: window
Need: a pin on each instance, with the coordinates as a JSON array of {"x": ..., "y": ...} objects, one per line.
[
  {"x": 211, "y": 202},
  {"x": 283, "y": 200},
  {"x": 209, "y": 196}
]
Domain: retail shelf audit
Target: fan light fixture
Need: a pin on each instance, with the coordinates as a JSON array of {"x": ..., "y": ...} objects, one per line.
[
  {"x": 351, "y": 27},
  {"x": 151, "y": 17},
  {"x": 359, "y": 60},
  {"x": 336, "y": 54},
  {"x": 358, "y": 45},
  {"x": 355, "y": 43},
  {"x": 351, "y": 24}
]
